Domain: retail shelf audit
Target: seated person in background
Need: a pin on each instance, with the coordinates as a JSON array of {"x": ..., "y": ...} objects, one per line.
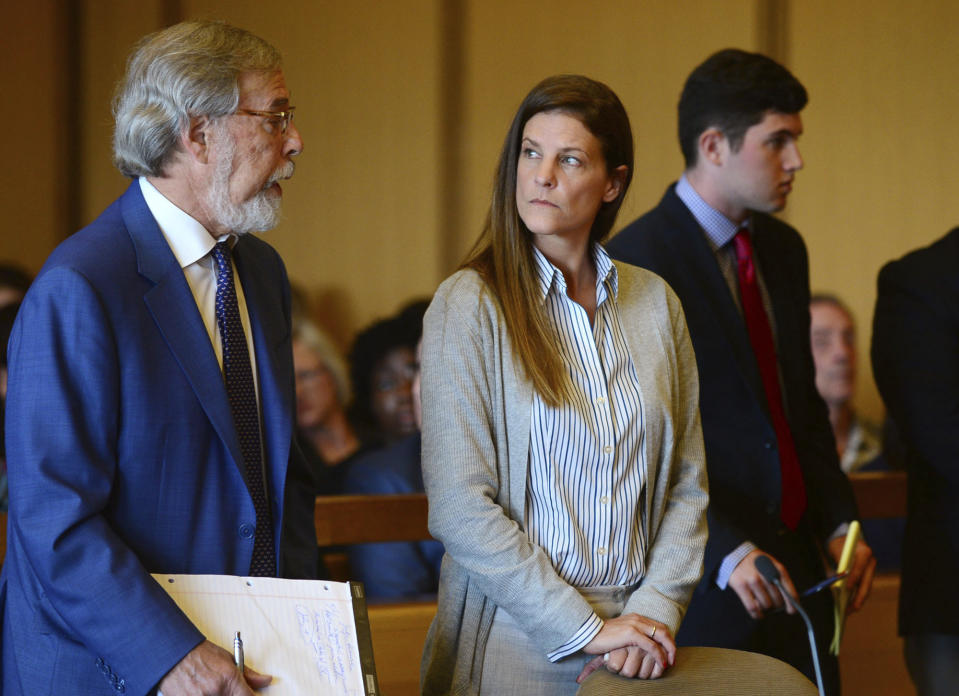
[
  {"x": 833, "y": 336},
  {"x": 7, "y": 315},
  {"x": 397, "y": 569},
  {"x": 858, "y": 442},
  {"x": 14, "y": 282},
  {"x": 382, "y": 366},
  {"x": 324, "y": 432}
]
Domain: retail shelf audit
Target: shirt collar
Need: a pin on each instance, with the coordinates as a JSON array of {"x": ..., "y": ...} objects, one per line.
[
  {"x": 719, "y": 229},
  {"x": 188, "y": 239},
  {"x": 549, "y": 276}
]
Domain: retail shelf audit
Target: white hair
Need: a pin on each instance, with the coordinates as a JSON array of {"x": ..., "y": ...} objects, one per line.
[{"x": 189, "y": 69}]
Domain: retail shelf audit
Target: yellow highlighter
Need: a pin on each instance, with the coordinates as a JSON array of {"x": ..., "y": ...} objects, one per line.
[{"x": 839, "y": 590}]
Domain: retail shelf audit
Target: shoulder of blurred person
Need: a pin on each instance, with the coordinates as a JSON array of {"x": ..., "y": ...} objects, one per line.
[
  {"x": 328, "y": 479},
  {"x": 389, "y": 470}
]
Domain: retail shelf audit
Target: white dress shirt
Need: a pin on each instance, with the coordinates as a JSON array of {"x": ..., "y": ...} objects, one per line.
[
  {"x": 192, "y": 245},
  {"x": 587, "y": 466}
]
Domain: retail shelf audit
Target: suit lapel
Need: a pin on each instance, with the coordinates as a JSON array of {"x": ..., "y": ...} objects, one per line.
[
  {"x": 689, "y": 243},
  {"x": 174, "y": 310}
]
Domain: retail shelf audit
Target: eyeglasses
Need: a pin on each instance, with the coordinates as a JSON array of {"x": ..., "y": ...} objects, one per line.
[{"x": 275, "y": 119}]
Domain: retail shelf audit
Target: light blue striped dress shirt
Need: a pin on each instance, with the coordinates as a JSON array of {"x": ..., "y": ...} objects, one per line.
[{"x": 587, "y": 470}]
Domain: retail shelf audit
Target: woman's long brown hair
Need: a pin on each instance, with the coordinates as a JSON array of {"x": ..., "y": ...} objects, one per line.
[{"x": 503, "y": 254}]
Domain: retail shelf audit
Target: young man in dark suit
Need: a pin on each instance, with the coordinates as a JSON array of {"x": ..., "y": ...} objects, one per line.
[
  {"x": 915, "y": 357},
  {"x": 775, "y": 484}
]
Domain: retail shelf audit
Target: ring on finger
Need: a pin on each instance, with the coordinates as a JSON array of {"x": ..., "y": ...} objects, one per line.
[{"x": 653, "y": 634}]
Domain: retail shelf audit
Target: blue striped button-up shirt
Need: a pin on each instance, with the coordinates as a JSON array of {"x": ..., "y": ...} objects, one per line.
[{"x": 587, "y": 470}]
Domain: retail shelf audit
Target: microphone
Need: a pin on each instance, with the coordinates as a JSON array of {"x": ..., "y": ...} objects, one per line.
[{"x": 766, "y": 568}]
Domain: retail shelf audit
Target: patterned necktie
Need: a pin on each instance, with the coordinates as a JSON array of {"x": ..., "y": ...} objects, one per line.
[
  {"x": 238, "y": 375},
  {"x": 793, "y": 494}
]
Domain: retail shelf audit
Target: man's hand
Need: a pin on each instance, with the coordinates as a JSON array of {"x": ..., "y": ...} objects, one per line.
[
  {"x": 635, "y": 645},
  {"x": 209, "y": 670},
  {"x": 861, "y": 571},
  {"x": 756, "y": 594}
]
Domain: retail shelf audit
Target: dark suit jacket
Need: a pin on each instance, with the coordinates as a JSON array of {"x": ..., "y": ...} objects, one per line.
[
  {"x": 915, "y": 358},
  {"x": 741, "y": 455},
  {"x": 124, "y": 460}
]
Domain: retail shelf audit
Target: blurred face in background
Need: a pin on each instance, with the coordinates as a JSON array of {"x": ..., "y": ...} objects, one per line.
[
  {"x": 315, "y": 388},
  {"x": 833, "y": 338},
  {"x": 391, "y": 398}
]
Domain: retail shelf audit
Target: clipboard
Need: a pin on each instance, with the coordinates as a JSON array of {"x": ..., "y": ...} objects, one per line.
[{"x": 312, "y": 636}]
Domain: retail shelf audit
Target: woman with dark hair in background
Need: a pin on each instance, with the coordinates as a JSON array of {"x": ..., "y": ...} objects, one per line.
[
  {"x": 562, "y": 447},
  {"x": 383, "y": 365}
]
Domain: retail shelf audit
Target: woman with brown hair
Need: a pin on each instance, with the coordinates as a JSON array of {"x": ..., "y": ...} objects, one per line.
[{"x": 562, "y": 447}]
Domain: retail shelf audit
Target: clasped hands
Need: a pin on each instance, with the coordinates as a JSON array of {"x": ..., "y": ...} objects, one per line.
[{"x": 632, "y": 646}]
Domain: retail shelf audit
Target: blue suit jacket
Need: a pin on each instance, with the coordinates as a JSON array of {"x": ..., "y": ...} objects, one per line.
[{"x": 124, "y": 460}]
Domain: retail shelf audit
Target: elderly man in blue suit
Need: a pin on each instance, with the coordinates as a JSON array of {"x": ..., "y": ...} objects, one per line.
[{"x": 150, "y": 403}]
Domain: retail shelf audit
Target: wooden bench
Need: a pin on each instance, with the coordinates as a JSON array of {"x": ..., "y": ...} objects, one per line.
[
  {"x": 880, "y": 494},
  {"x": 399, "y": 629}
]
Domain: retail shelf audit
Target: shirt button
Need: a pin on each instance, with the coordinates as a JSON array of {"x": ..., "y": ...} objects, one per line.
[
  {"x": 601, "y": 550},
  {"x": 600, "y": 401},
  {"x": 246, "y": 531},
  {"x": 604, "y": 500},
  {"x": 607, "y": 449}
]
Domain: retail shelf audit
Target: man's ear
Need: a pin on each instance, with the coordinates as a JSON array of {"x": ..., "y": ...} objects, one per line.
[
  {"x": 617, "y": 180},
  {"x": 195, "y": 138},
  {"x": 713, "y": 146}
]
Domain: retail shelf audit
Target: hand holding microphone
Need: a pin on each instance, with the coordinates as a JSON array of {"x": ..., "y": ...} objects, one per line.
[
  {"x": 757, "y": 594},
  {"x": 764, "y": 565}
]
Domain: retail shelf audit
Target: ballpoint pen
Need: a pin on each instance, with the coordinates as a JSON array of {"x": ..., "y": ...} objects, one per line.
[
  {"x": 238, "y": 651},
  {"x": 824, "y": 584}
]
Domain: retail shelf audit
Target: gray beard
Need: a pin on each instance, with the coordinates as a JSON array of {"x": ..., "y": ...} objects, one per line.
[{"x": 260, "y": 213}]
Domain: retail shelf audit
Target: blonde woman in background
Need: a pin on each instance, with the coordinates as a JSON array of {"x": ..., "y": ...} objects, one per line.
[{"x": 322, "y": 394}]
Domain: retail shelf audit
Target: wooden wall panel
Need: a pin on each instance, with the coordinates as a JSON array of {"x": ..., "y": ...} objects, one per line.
[
  {"x": 33, "y": 192},
  {"x": 880, "y": 143},
  {"x": 360, "y": 229}
]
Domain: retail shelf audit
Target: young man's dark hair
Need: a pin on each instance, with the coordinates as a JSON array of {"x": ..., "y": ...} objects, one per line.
[{"x": 732, "y": 90}]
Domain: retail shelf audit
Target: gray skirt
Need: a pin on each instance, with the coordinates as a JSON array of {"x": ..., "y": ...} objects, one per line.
[{"x": 513, "y": 664}]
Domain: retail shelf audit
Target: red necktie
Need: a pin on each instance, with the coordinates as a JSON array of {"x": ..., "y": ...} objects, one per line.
[{"x": 761, "y": 338}]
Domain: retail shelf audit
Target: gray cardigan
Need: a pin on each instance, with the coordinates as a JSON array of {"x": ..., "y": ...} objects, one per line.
[{"x": 476, "y": 420}]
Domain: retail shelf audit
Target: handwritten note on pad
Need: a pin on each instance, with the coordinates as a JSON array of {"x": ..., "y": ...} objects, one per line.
[{"x": 312, "y": 636}]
